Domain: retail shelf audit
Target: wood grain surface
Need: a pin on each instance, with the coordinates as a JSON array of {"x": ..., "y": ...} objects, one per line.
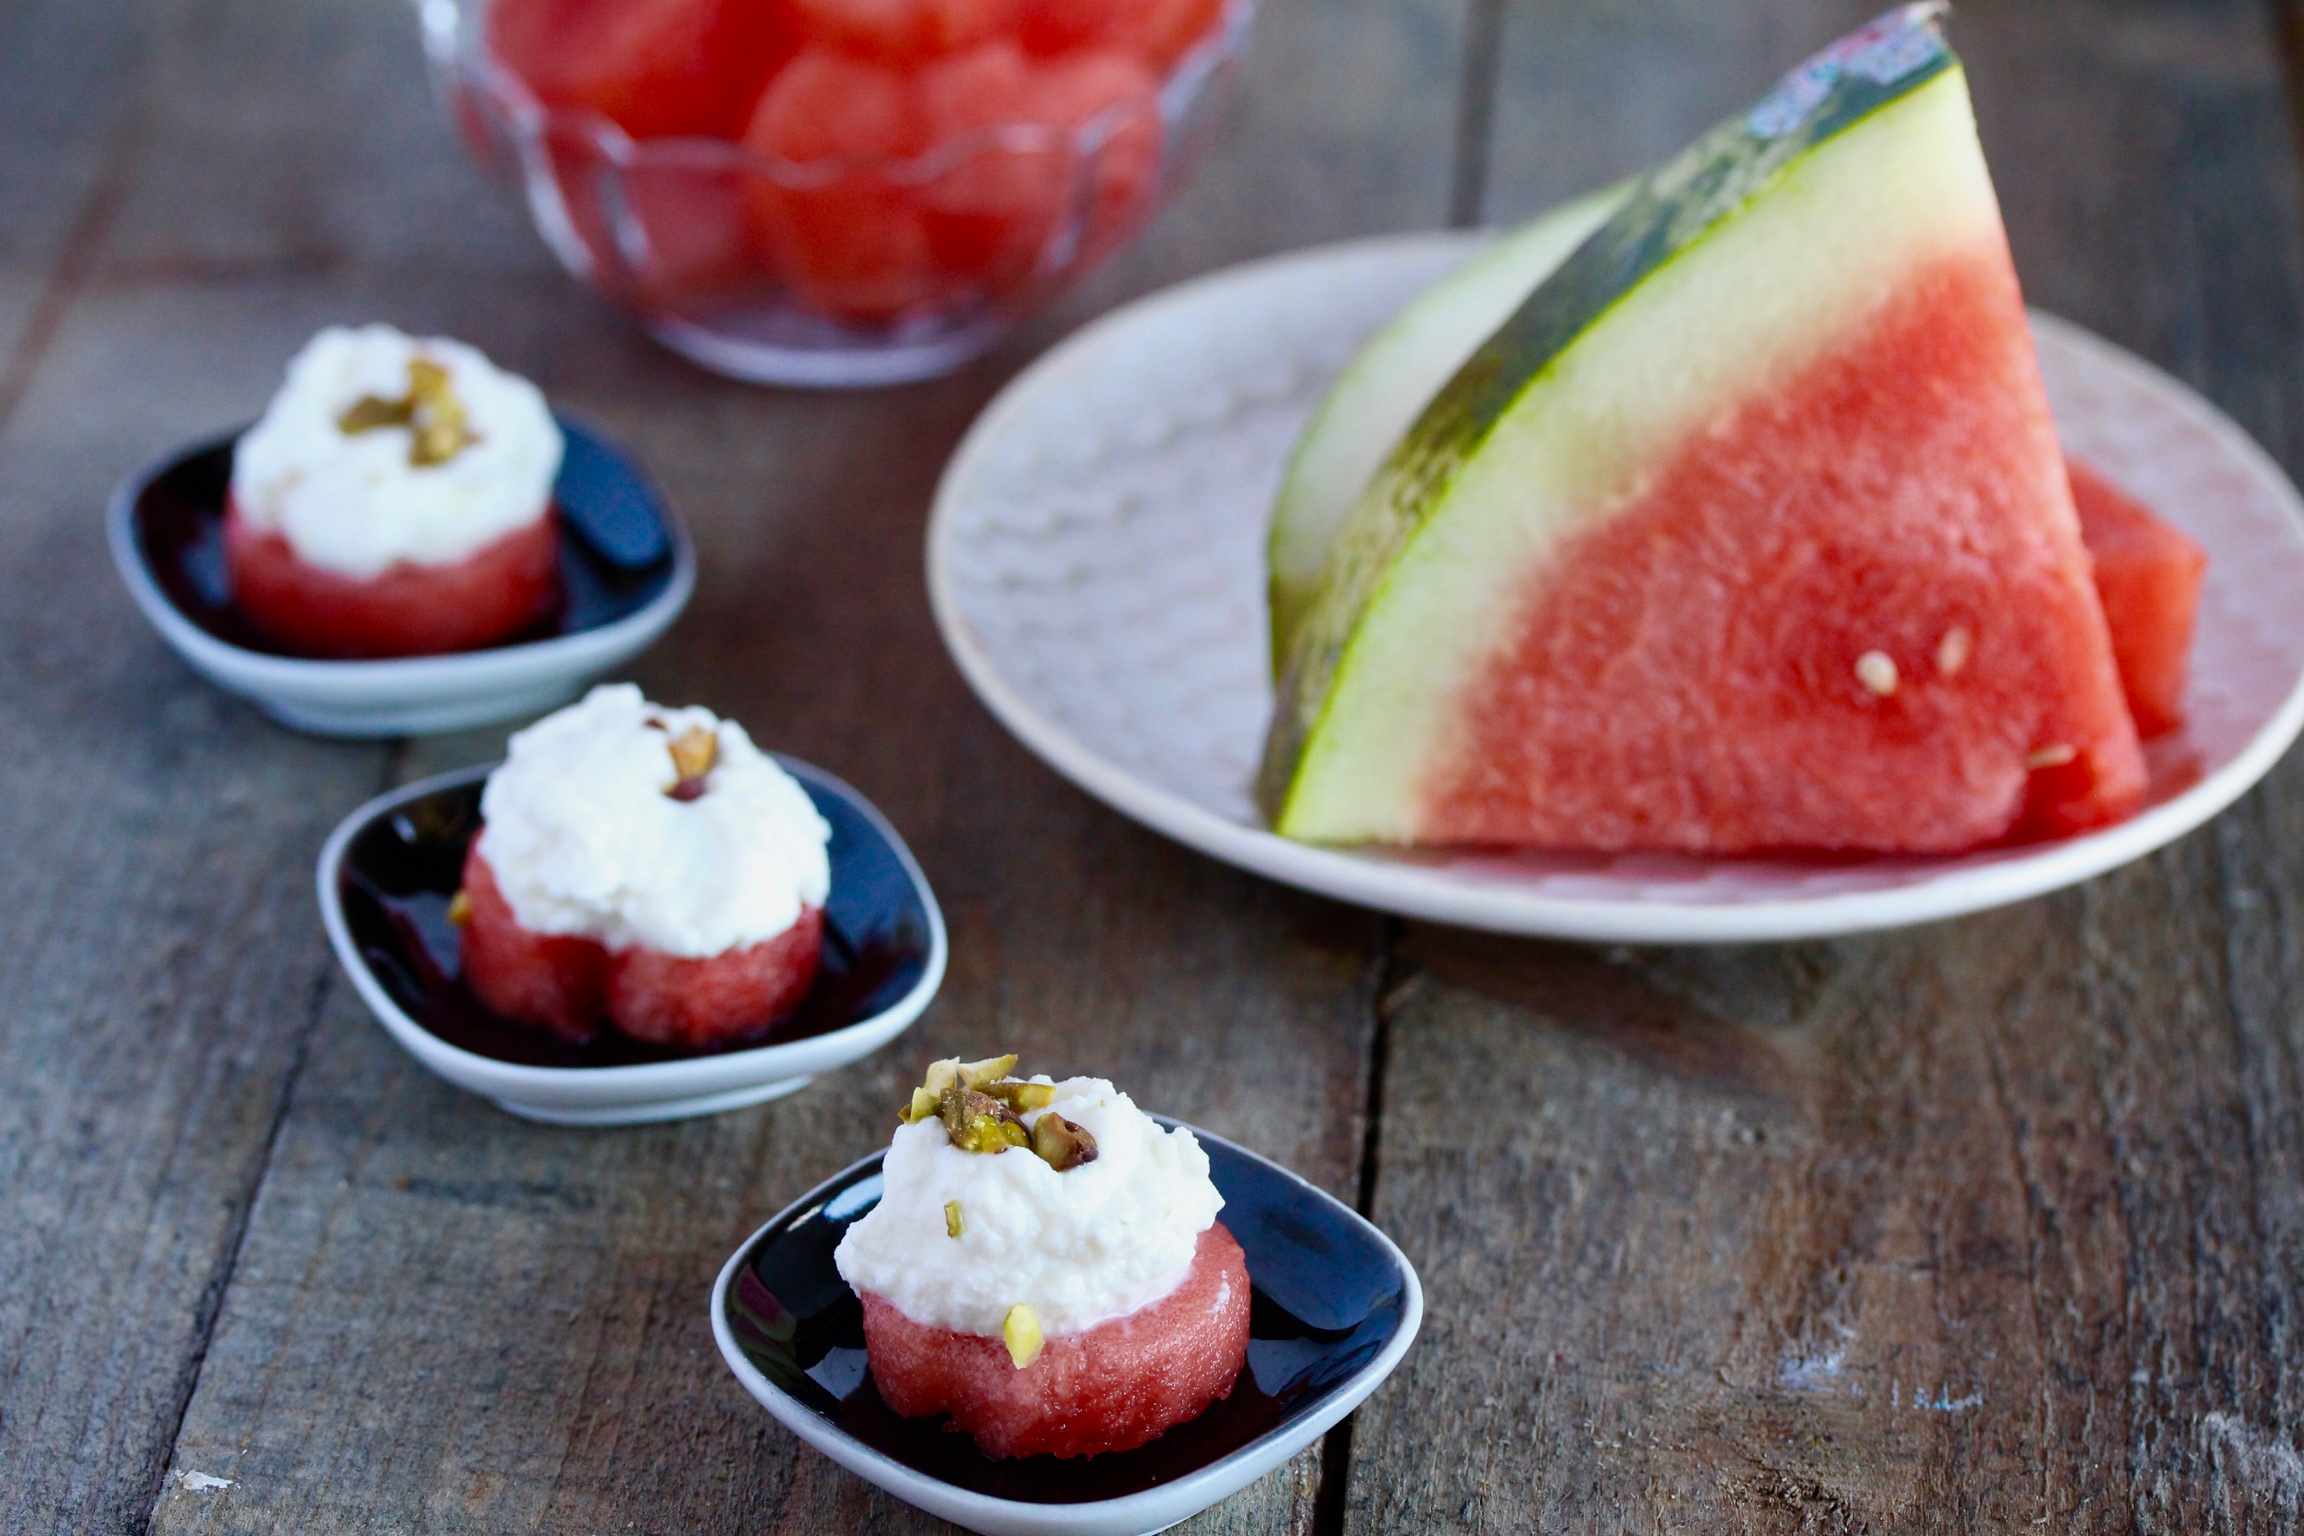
[{"x": 1992, "y": 1225}]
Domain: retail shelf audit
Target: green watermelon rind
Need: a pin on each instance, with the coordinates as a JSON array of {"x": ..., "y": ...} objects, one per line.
[{"x": 1390, "y": 380}]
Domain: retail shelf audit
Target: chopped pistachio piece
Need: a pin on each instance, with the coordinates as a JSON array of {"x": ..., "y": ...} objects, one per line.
[
  {"x": 370, "y": 412},
  {"x": 977, "y": 1100},
  {"x": 460, "y": 908},
  {"x": 436, "y": 415},
  {"x": 1060, "y": 1143},
  {"x": 977, "y": 1122},
  {"x": 430, "y": 411},
  {"x": 694, "y": 751},
  {"x": 975, "y": 1074},
  {"x": 1023, "y": 1096},
  {"x": 953, "y": 1225},
  {"x": 1020, "y": 1331}
]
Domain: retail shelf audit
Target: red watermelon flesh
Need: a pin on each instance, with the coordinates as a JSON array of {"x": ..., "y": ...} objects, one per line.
[
  {"x": 905, "y": 32},
  {"x": 702, "y": 1002},
  {"x": 569, "y": 984},
  {"x": 2148, "y": 578},
  {"x": 486, "y": 598},
  {"x": 1156, "y": 32},
  {"x": 856, "y": 242},
  {"x": 1111, "y": 1388},
  {"x": 848, "y": 241},
  {"x": 656, "y": 68},
  {"x": 993, "y": 215},
  {"x": 1854, "y": 614},
  {"x": 553, "y": 981}
]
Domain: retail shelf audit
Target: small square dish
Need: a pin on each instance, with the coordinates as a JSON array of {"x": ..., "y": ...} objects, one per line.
[
  {"x": 390, "y": 870},
  {"x": 626, "y": 572},
  {"x": 1335, "y": 1307}
]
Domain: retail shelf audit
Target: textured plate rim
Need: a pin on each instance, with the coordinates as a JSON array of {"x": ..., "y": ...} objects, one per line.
[
  {"x": 640, "y": 1083},
  {"x": 1164, "y": 1504},
  {"x": 1424, "y": 893}
]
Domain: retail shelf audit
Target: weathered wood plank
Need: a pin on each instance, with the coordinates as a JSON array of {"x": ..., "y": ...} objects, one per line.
[
  {"x": 68, "y": 75},
  {"x": 1983, "y": 1226},
  {"x": 446, "y": 1319},
  {"x": 161, "y": 974},
  {"x": 1592, "y": 91}
]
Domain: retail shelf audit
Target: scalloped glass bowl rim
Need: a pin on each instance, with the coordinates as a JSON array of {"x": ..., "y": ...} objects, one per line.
[{"x": 459, "y": 46}]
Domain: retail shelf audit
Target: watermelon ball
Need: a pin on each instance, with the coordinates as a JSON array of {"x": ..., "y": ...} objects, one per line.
[
  {"x": 846, "y": 239},
  {"x": 1156, "y": 32},
  {"x": 655, "y": 68},
  {"x": 1077, "y": 91},
  {"x": 1113, "y": 1387},
  {"x": 556, "y": 982},
  {"x": 487, "y": 597},
  {"x": 700, "y": 1004},
  {"x": 2148, "y": 578},
  {"x": 992, "y": 216},
  {"x": 905, "y": 32}
]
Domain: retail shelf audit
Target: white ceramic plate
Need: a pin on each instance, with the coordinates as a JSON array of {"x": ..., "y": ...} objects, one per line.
[{"x": 1096, "y": 563}]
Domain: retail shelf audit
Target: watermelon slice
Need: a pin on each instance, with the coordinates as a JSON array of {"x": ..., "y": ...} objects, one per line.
[
  {"x": 1748, "y": 530},
  {"x": 2148, "y": 578},
  {"x": 1388, "y": 383}
]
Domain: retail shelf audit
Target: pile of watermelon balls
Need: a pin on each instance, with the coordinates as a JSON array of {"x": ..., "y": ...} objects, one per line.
[{"x": 849, "y": 86}]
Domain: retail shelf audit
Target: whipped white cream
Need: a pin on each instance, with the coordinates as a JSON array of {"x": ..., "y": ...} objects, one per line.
[
  {"x": 352, "y": 502},
  {"x": 583, "y": 838},
  {"x": 1080, "y": 1247}
]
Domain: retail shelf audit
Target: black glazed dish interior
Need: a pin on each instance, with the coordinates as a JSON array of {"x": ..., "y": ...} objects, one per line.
[
  {"x": 1327, "y": 1298},
  {"x": 616, "y": 546},
  {"x": 402, "y": 869}
]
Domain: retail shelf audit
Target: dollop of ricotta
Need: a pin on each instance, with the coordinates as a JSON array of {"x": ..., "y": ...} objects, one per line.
[
  {"x": 1080, "y": 1247},
  {"x": 583, "y": 838},
  {"x": 351, "y": 502}
]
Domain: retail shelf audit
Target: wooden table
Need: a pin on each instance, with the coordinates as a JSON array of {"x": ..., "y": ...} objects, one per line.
[{"x": 1987, "y": 1226}]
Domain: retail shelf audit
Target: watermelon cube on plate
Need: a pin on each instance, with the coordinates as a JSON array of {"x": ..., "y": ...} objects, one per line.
[{"x": 2148, "y": 577}]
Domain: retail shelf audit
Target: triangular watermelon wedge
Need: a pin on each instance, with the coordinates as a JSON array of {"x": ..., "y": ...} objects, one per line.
[{"x": 1748, "y": 530}]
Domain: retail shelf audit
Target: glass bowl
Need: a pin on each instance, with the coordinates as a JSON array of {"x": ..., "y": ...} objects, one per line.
[{"x": 837, "y": 272}]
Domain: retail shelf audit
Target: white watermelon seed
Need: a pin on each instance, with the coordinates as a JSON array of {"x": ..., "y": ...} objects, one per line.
[
  {"x": 1876, "y": 670},
  {"x": 1952, "y": 651}
]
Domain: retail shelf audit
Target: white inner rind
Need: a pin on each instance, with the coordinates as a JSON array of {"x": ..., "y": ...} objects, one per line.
[
  {"x": 1771, "y": 291},
  {"x": 1081, "y": 1247},
  {"x": 1387, "y": 385}
]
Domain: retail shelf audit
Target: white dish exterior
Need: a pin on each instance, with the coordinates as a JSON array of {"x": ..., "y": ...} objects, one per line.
[
  {"x": 1096, "y": 563},
  {"x": 626, "y": 1095},
  {"x": 406, "y": 696},
  {"x": 1137, "y": 1514}
]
